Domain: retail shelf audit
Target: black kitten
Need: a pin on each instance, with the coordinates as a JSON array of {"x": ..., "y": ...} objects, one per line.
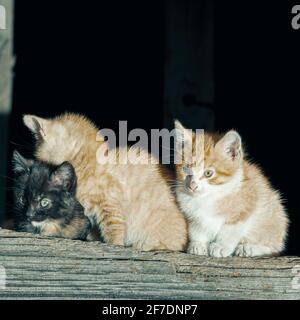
[{"x": 45, "y": 200}]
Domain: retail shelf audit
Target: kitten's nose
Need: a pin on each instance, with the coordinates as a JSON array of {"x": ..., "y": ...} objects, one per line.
[
  {"x": 193, "y": 185},
  {"x": 30, "y": 213},
  {"x": 190, "y": 183}
]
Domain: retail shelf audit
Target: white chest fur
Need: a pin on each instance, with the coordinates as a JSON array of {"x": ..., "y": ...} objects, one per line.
[
  {"x": 205, "y": 222},
  {"x": 202, "y": 210}
]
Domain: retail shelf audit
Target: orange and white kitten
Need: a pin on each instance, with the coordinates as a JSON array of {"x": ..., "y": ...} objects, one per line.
[
  {"x": 131, "y": 203},
  {"x": 231, "y": 207}
]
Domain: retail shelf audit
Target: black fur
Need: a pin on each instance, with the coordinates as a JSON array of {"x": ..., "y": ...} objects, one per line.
[{"x": 37, "y": 181}]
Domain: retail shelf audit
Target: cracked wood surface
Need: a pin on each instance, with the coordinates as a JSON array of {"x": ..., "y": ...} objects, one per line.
[{"x": 38, "y": 267}]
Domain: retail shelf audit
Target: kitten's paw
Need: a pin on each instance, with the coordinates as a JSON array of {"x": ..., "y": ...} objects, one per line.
[
  {"x": 119, "y": 243},
  {"x": 142, "y": 246},
  {"x": 219, "y": 251},
  {"x": 252, "y": 250},
  {"x": 114, "y": 241},
  {"x": 50, "y": 234},
  {"x": 197, "y": 248}
]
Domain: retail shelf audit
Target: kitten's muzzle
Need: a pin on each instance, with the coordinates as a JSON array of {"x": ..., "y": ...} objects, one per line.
[
  {"x": 38, "y": 218},
  {"x": 30, "y": 213},
  {"x": 191, "y": 183},
  {"x": 34, "y": 216}
]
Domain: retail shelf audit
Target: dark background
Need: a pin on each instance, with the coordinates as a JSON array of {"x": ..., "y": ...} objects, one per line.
[{"x": 112, "y": 62}]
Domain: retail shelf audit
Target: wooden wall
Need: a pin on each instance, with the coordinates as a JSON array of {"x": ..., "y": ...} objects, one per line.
[
  {"x": 6, "y": 76},
  {"x": 189, "y": 63}
]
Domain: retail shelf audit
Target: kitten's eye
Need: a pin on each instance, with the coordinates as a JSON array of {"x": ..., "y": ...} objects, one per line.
[
  {"x": 45, "y": 203},
  {"x": 208, "y": 173}
]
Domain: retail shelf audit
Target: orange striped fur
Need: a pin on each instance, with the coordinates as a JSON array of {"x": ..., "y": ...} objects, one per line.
[{"x": 131, "y": 204}]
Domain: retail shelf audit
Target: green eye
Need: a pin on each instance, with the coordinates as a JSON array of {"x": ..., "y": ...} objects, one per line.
[
  {"x": 208, "y": 173},
  {"x": 45, "y": 203}
]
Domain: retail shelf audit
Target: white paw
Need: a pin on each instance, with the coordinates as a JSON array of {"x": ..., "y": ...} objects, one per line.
[
  {"x": 197, "y": 248},
  {"x": 219, "y": 251},
  {"x": 252, "y": 250}
]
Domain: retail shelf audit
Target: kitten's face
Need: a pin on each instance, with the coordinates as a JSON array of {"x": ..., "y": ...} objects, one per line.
[
  {"x": 43, "y": 204},
  {"x": 43, "y": 191},
  {"x": 216, "y": 162}
]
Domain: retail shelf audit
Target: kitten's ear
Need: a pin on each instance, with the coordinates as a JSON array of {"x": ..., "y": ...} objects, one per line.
[
  {"x": 231, "y": 145},
  {"x": 182, "y": 134},
  {"x": 65, "y": 176},
  {"x": 38, "y": 126},
  {"x": 21, "y": 164}
]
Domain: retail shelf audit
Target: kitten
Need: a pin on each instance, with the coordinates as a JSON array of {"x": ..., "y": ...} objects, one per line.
[
  {"x": 231, "y": 207},
  {"x": 131, "y": 203},
  {"x": 45, "y": 199}
]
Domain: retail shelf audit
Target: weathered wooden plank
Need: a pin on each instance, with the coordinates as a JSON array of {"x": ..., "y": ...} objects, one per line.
[{"x": 38, "y": 267}]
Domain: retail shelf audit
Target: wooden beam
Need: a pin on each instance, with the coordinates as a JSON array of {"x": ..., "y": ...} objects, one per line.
[{"x": 38, "y": 267}]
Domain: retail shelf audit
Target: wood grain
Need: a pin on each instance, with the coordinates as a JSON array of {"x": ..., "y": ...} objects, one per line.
[{"x": 45, "y": 268}]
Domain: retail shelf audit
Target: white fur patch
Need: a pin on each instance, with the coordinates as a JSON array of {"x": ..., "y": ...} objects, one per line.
[
  {"x": 39, "y": 224},
  {"x": 42, "y": 225},
  {"x": 207, "y": 229}
]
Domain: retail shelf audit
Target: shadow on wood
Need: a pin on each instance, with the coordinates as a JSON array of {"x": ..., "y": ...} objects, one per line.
[{"x": 38, "y": 267}]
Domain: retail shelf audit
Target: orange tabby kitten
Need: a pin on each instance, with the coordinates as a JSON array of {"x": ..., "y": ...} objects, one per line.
[
  {"x": 231, "y": 207},
  {"x": 131, "y": 203}
]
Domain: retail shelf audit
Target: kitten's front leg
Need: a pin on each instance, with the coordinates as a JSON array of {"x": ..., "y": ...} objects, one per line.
[
  {"x": 112, "y": 225},
  {"x": 107, "y": 209},
  {"x": 199, "y": 240},
  {"x": 111, "y": 220},
  {"x": 51, "y": 230},
  {"x": 226, "y": 241}
]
